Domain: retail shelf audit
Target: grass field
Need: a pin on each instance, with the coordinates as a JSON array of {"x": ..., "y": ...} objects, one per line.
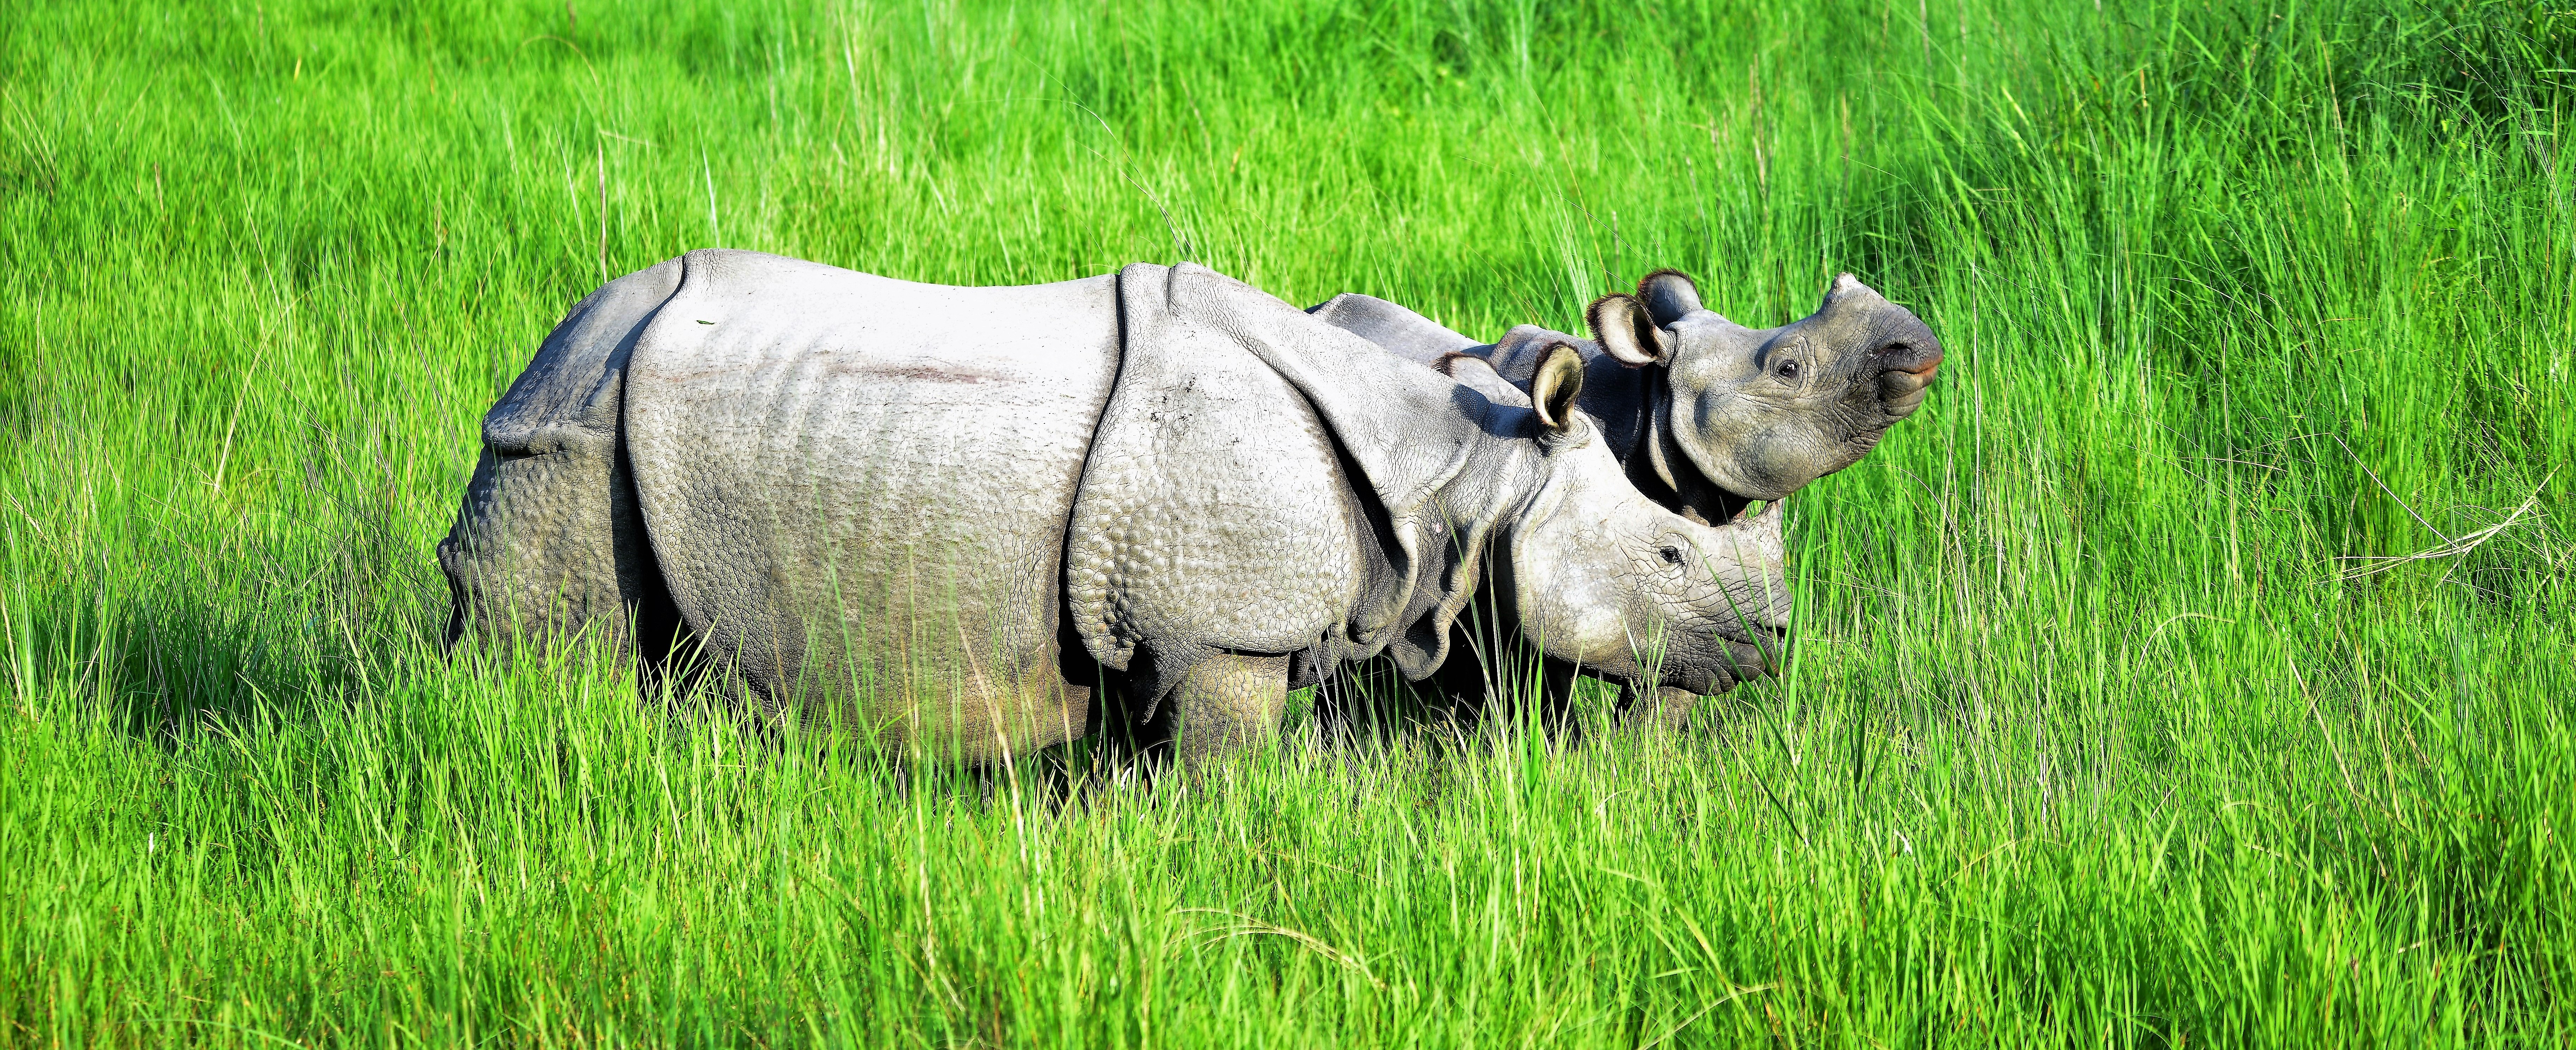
[{"x": 2091, "y": 739}]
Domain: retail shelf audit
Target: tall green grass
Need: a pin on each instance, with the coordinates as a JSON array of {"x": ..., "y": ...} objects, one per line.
[{"x": 2090, "y": 739}]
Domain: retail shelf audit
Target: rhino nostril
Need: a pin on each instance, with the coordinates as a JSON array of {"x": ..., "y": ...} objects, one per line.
[{"x": 1908, "y": 358}]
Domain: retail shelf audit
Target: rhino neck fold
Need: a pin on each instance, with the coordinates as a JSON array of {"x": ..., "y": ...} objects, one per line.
[
  {"x": 1663, "y": 471},
  {"x": 1619, "y": 396}
]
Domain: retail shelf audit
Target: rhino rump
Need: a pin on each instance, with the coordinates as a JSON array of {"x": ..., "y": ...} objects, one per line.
[{"x": 548, "y": 538}]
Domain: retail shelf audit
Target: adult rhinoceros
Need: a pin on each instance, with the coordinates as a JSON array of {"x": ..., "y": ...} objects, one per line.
[
  {"x": 948, "y": 512},
  {"x": 1707, "y": 415}
]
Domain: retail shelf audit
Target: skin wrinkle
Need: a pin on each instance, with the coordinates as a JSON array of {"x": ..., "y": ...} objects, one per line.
[
  {"x": 1643, "y": 572},
  {"x": 1473, "y": 371}
]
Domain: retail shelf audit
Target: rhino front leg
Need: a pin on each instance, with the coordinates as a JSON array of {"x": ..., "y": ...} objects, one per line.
[
  {"x": 1228, "y": 704},
  {"x": 1506, "y": 677},
  {"x": 1668, "y": 707}
]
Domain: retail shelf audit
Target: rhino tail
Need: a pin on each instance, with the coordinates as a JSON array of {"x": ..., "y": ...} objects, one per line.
[{"x": 549, "y": 544}]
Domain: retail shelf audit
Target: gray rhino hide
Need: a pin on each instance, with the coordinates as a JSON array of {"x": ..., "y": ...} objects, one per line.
[
  {"x": 549, "y": 519},
  {"x": 877, "y": 488},
  {"x": 1407, "y": 334},
  {"x": 1614, "y": 394},
  {"x": 1236, "y": 425},
  {"x": 858, "y": 485}
]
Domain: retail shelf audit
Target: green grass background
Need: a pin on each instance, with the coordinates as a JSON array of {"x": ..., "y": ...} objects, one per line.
[{"x": 2086, "y": 743}]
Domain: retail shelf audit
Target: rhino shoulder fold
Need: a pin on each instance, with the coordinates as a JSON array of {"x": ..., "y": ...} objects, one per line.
[{"x": 1236, "y": 421}]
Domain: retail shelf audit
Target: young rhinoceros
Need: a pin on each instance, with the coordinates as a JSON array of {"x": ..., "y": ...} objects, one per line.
[
  {"x": 947, "y": 512},
  {"x": 1704, "y": 414}
]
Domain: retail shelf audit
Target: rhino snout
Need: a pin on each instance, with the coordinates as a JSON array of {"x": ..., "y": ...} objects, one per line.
[
  {"x": 1907, "y": 366},
  {"x": 1766, "y": 653},
  {"x": 1736, "y": 663}
]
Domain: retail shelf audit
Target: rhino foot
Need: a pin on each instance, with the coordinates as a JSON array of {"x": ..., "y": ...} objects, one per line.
[{"x": 1667, "y": 708}]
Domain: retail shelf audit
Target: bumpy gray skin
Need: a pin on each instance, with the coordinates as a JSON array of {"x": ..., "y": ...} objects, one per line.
[
  {"x": 945, "y": 514},
  {"x": 1704, "y": 414}
]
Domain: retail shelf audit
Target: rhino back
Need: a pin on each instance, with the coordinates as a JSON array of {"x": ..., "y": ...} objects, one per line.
[{"x": 860, "y": 485}]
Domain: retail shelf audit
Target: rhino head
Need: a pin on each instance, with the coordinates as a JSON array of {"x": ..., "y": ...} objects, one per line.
[
  {"x": 1759, "y": 413},
  {"x": 1595, "y": 574}
]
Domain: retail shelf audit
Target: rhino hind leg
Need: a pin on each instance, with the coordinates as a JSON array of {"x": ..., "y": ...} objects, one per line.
[{"x": 551, "y": 547}]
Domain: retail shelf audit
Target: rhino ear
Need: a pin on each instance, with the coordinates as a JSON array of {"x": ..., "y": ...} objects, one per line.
[
  {"x": 1623, "y": 327},
  {"x": 1559, "y": 381},
  {"x": 1477, "y": 374},
  {"x": 1669, "y": 296}
]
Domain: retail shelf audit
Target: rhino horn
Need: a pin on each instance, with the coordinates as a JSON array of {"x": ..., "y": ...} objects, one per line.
[{"x": 1627, "y": 330}]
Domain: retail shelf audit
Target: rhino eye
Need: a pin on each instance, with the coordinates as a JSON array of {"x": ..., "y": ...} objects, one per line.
[
  {"x": 1671, "y": 555},
  {"x": 1788, "y": 370}
]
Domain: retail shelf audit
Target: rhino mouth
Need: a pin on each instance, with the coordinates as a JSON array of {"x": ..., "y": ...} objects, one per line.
[
  {"x": 1738, "y": 662},
  {"x": 1753, "y": 640}
]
